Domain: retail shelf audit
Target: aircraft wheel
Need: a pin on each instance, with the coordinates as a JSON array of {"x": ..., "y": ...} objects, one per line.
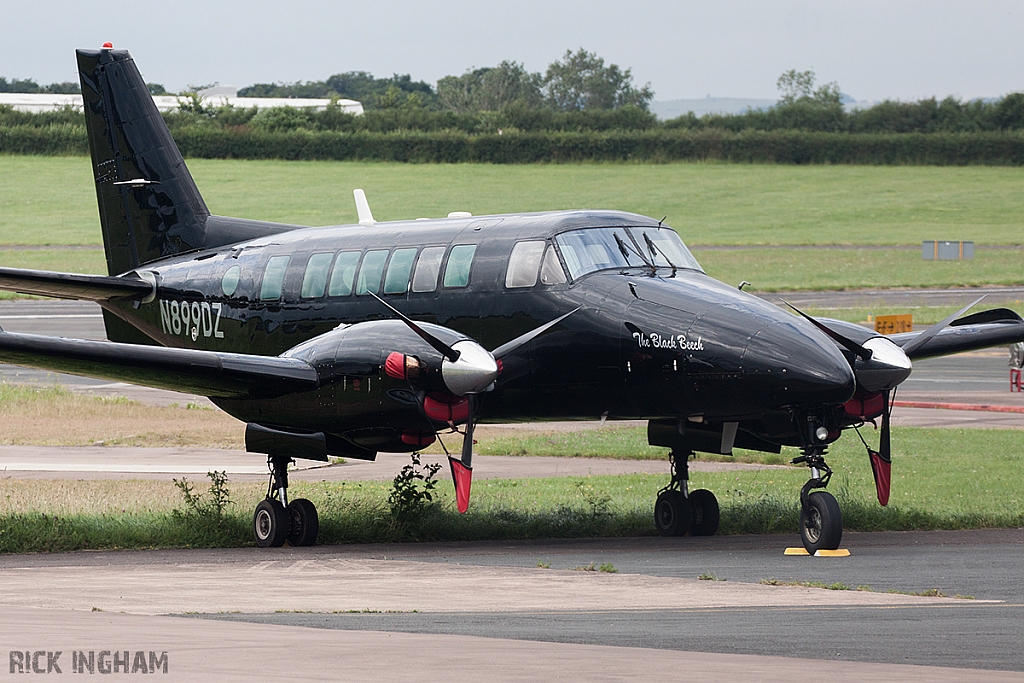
[
  {"x": 270, "y": 524},
  {"x": 704, "y": 513},
  {"x": 303, "y": 522},
  {"x": 821, "y": 522},
  {"x": 672, "y": 513}
]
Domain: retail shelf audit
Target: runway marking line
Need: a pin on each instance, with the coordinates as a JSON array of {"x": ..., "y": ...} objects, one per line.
[
  {"x": 959, "y": 406},
  {"x": 49, "y": 317},
  {"x": 235, "y": 616}
]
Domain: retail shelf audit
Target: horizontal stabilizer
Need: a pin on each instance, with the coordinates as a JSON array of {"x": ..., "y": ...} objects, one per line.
[
  {"x": 995, "y": 327},
  {"x": 210, "y": 373},
  {"x": 74, "y": 285}
]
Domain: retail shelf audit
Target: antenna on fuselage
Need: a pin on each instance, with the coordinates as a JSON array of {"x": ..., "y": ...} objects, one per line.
[{"x": 363, "y": 208}]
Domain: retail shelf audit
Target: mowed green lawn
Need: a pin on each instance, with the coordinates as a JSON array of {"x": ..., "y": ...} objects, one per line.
[{"x": 51, "y": 201}]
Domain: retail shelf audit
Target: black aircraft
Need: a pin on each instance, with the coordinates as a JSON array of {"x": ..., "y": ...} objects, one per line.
[{"x": 356, "y": 339}]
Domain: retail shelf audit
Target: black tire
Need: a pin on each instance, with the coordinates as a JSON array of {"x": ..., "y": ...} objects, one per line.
[
  {"x": 672, "y": 513},
  {"x": 704, "y": 513},
  {"x": 303, "y": 522},
  {"x": 270, "y": 524},
  {"x": 821, "y": 523}
]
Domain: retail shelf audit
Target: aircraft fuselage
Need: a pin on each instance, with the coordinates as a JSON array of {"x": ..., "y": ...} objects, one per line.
[{"x": 646, "y": 343}]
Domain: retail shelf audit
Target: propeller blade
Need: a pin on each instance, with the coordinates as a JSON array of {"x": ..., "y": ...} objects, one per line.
[
  {"x": 462, "y": 470},
  {"x": 511, "y": 346},
  {"x": 922, "y": 339},
  {"x": 881, "y": 460},
  {"x": 845, "y": 341},
  {"x": 467, "y": 443},
  {"x": 463, "y": 478},
  {"x": 442, "y": 348},
  {"x": 885, "y": 443}
]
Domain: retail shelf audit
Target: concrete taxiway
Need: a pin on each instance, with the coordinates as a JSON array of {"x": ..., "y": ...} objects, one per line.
[{"x": 402, "y": 612}]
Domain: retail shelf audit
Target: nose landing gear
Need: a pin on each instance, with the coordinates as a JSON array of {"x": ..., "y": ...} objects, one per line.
[
  {"x": 276, "y": 520},
  {"x": 679, "y": 511},
  {"x": 821, "y": 520}
]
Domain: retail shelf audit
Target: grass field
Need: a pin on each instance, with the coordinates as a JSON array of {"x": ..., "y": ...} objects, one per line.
[
  {"x": 942, "y": 479},
  {"x": 53, "y": 416},
  {"x": 51, "y": 200},
  {"x": 934, "y": 487}
]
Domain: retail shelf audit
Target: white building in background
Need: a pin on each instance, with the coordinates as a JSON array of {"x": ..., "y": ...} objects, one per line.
[{"x": 217, "y": 96}]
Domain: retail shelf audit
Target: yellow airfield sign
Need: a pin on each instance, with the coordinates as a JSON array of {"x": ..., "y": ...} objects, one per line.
[{"x": 893, "y": 324}]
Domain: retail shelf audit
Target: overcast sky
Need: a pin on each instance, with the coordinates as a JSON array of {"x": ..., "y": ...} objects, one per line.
[{"x": 873, "y": 49}]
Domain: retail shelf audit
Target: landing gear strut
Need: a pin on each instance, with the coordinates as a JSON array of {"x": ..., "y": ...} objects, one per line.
[
  {"x": 678, "y": 510},
  {"x": 276, "y": 520},
  {"x": 821, "y": 520}
]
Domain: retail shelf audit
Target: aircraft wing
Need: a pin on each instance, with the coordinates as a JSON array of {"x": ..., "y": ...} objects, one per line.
[
  {"x": 995, "y": 327},
  {"x": 74, "y": 285},
  {"x": 208, "y": 373}
]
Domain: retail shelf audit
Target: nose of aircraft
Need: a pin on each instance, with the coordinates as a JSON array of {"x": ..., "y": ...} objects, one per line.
[{"x": 806, "y": 367}]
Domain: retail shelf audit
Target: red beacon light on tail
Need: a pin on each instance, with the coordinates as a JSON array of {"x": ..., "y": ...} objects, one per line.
[{"x": 108, "y": 45}]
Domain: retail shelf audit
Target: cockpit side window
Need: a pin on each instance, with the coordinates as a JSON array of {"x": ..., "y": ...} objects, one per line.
[
  {"x": 460, "y": 262},
  {"x": 524, "y": 264},
  {"x": 427, "y": 269},
  {"x": 273, "y": 278},
  {"x": 551, "y": 272},
  {"x": 593, "y": 249}
]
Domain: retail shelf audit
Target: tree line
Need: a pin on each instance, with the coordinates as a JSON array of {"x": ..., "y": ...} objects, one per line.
[
  {"x": 577, "y": 93},
  {"x": 801, "y": 106},
  {"x": 579, "y": 81},
  {"x": 27, "y": 85}
]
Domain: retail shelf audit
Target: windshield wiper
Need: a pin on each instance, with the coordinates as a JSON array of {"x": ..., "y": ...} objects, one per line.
[
  {"x": 624, "y": 250},
  {"x": 654, "y": 253}
]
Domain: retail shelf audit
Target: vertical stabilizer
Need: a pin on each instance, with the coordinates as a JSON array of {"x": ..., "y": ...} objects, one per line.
[{"x": 149, "y": 205}]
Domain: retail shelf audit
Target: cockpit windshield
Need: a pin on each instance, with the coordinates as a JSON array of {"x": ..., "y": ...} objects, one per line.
[
  {"x": 593, "y": 249},
  {"x": 664, "y": 248}
]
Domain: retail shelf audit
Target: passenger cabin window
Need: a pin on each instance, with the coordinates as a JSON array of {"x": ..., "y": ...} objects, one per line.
[
  {"x": 524, "y": 264},
  {"x": 370, "y": 272},
  {"x": 314, "y": 281},
  {"x": 460, "y": 260},
  {"x": 344, "y": 274},
  {"x": 551, "y": 272},
  {"x": 273, "y": 278},
  {"x": 399, "y": 268},
  {"x": 229, "y": 283},
  {"x": 427, "y": 268}
]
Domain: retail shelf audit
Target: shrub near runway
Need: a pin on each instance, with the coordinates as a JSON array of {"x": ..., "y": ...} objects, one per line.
[{"x": 935, "y": 486}]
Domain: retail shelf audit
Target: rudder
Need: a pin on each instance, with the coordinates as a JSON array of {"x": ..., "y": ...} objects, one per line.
[{"x": 161, "y": 213}]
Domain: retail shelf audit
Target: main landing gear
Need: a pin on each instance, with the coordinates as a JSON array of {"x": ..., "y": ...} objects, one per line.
[
  {"x": 821, "y": 520},
  {"x": 276, "y": 520},
  {"x": 678, "y": 510}
]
